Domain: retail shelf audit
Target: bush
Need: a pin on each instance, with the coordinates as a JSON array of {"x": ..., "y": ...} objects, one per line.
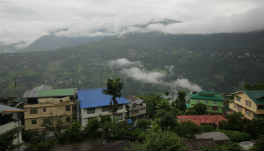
[
  {"x": 237, "y": 136},
  {"x": 91, "y": 130},
  {"x": 207, "y": 128},
  {"x": 187, "y": 129},
  {"x": 163, "y": 141},
  {"x": 6, "y": 140},
  {"x": 259, "y": 144},
  {"x": 41, "y": 146},
  {"x": 143, "y": 123},
  {"x": 223, "y": 147}
]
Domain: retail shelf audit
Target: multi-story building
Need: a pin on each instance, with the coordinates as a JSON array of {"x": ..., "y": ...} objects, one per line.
[
  {"x": 213, "y": 101},
  {"x": 10, "y": 121},
  {"x": 56, "y": 105},
  {"x": 137, "y": 107},
  {"x": 249, "y": 103},
  {"x": 95, "y": 104}
]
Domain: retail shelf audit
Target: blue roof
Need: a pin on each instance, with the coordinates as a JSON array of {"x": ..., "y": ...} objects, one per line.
[{"x": 96, "y": 98}]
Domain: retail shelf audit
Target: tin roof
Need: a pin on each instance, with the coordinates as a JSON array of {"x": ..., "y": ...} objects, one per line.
[
  {"x": 202, "y": 119},
  {"x": 96, "y": 98},
  {"x": 5, "y": 108},
  {"x": 257, "y": 96},
  {"x": 57, "y": 92},
  {"x": 207, "y": 95}
]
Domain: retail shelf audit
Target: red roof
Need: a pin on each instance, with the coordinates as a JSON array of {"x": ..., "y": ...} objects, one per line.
[{"x": 202, "y": 119}]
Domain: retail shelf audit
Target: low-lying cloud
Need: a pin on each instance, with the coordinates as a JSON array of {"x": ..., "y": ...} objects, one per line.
[
  {"x": 154, "y": 77},
  {"x": 30, "y": 19}
]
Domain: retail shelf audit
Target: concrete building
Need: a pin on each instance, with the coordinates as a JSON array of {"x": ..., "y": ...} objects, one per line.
[
  {"x": 137, "y": 107},
  {"x": 94, "y": 104},
  {"x": 213, "y": 101},
  {"x": 9, "y": 121},
  {"x": 249, "y": 103},
  {"x": 57, "y": 105}
]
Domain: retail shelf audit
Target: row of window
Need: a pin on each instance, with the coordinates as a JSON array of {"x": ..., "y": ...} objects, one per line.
[
  {"x": 35, "y": 121},
  {"x": 44, "y": 109},
  {"x": 248, "y": 103},
  {"x": 240, "y": 109},
  {"x": 105, "y": 109}
]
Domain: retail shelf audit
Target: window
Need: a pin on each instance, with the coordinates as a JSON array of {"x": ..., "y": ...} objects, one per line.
[
  {"x": 120, "y": 107},
  {"x": 248, "y": 113},
  {"x": 68, "y": 119},
  {"x": 34, "y": 111},
  {"x": 248, "y": 103},
  {"x": 106, "y": 109},
  {"x": 46, "y": 121},
  {"x": 215, "y": 108},
  {"x": 90, "y": 110},
  {"x": 261, "y": 107},
  {"x": 238, "y": 98},
  {"x": 119, "y": 116},
  {"x": 68, "y": 108},
  {"x": 34, "y": 121},
  {"x": 44, "y": 109}
]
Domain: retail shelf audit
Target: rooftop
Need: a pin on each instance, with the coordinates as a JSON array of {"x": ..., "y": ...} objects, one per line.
[
  {"x": 57, "y": 92},
  {"x": 256, "y": 95},
  {"x": 202, "y": 119},
  {"x": 96, "y": 98},
  {"x": 5, "y": 108},
  {"x": 207, "y": 95}
]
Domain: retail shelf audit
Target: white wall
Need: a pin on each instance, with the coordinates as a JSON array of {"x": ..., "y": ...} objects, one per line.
[{"x": 98, "y": 112}]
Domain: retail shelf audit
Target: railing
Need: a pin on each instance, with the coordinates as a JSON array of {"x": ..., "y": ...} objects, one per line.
[{"x": 8, "y": 127}]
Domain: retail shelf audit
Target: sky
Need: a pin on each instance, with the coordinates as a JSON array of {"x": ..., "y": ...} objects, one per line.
[{"x": 27, "y": 20}]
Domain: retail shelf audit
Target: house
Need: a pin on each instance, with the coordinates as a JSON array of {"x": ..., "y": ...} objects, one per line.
[
  {"x": 94, "y": 104},
  {"x": 202, "y": 119},
  {"x": 56, "y": 105},
  {"x": 9, "y": 121},
  {"x": 137, "y": 107},
  {"x": 213, "y": 101},
  {"x": 249, "y": 103}
]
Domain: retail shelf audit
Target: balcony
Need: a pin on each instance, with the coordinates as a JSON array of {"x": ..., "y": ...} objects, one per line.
[{"x": 8, "y": 127}]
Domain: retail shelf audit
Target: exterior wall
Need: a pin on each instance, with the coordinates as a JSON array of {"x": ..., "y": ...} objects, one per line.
[
  {"x": 137, "y": 110},
  {"x": 46, "y": 109},
  {"x": 99, "y": 112},
  {"x": 209, "y": 104},
  {"x": 245, "y": 106}
]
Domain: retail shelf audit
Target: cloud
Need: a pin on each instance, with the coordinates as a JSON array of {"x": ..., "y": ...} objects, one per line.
[
  {"x": 30, "y": 19},
  {"x": 132, "y": 70},
  {"x": 144, "y": 76},
  {"x": 123, "y": 62}
]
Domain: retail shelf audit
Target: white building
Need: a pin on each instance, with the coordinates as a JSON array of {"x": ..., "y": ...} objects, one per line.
[
  {"x": 94, "y": 104},
  {"x": 10, "y": 120},
  {"x": 137, "y": 107}
]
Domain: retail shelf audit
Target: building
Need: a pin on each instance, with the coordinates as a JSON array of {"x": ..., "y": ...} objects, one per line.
[
  {"x": 94, "y": 103},
  {"x": 202, "y": 119},
  {"x": 56, "y": 105},
  {"x": 137, "y": 107},
  {"x": 249, "y": 103},
  {"x": 213, "y": 101},
  {"x": 9, "y": 121}
]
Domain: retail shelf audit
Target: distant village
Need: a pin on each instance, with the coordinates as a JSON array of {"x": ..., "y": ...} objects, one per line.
[{"x": 68, "y": 105}]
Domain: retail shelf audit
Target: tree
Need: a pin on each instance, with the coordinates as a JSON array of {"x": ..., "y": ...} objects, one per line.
[
  {"x": 180, "y": 101},
  {"x": 163, "y": 141},
  {"x": 198, "y": 109},
  {"x": 168, "y": 121},
  {"x": 114, "y": 87}
]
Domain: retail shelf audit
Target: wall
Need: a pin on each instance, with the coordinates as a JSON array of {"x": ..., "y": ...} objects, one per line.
[
  {"x": 55, "y": 107},
  {"x": 98, "y": 112},
  {"x": 208, "y": 103}
]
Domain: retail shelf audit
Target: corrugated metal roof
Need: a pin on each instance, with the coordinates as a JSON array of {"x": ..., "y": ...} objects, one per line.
[
  {"x": 96, "y": 98},
  {"x": 5, "y": 108},
  {"x": 207, "y": 95},
  {"x": 201, "y": 119},
  {"x": 56, "y": 92},
  {"x": 257, "y": 96}
]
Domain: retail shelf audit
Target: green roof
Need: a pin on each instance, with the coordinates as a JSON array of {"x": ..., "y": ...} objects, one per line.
[
  {"x": 56, "y": 92},
  {"x": 256, "y": 95},
  {"x": 207, "y": 95}
]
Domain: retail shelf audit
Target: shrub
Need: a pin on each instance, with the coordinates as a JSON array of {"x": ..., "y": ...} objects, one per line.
[
  {"x": 259, "y": 144},
  {"x": 6, "y": 140},
  {"x": 143, "y": 123},
  {"x": 207, "y": 128},
  {"x": 237, "y": 136},
  {"x": 91, "y": 130},
  {"x": 187, "y": 129},
  {"x": 41, "y": 146},
  {"x": 223, "y": 147},
  {"x": 163, "y": 141}
]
